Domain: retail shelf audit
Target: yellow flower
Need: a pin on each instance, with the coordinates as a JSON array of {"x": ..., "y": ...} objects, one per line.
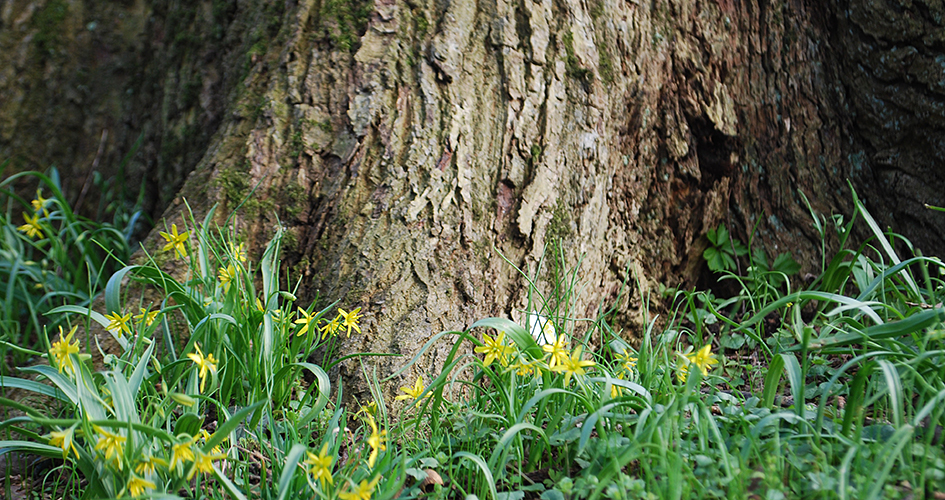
[
  {"x": 558, "y": 351},
  {"x": 206, "y": 364},
  {"x": 227, "y": 274},
  {"x": 32, "y": 227},
  {"x": 65, "y": 440},
  {"x": 332, "y": 327},
  {"x": 413, "y": 392},
  {"x": 182, "y": 451},
  {"x": 703, "y": 359},
  {"x": 110, "y": 444},
  {"x": 627, "y": 362},
  {"x": 306, "y": 319},
  {"x": 175, "y": 241},
  {"x": 137, "y": 486},
  {"x": 362, "y": 492},
  {"x": 525, "y": 368},
  {"x": 369, "y": 409},
  {"x": 39, "y": 204},
  {"x": 376, "y": 441},
  {"x": 320, "y": 465},
  {"x": 118, "y": 322},
  {"x": 682, "y": 373},
  {"x": 238, "y": 252},
  {"x": 495, "y": 349},
  {"x": 61, "y": 350},
  {"x": 203, "y": 463},
  {"x": 146, "y": 317},
  {"x": 350, "y": 319},
  {"x": 148, "y": 464},
  {"x": 573, "y": 365}
]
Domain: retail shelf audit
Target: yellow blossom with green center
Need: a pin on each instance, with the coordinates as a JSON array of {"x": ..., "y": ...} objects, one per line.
[
  {"x": 558, "y": 351},
  {"x": 118, "y": 323},
  {"x": 363, "y": 491},
  {"x": 627, "y": 362},
  {"x": 413, "y": 393},
  {"x": 63, "y": 349},
  {"x": 703, "y": 359},
  {"x": 332, "y": 327},
  {"x": 573, "y": 365},
  {"x": 206, "y": 364},
  {"x": 39, "y": 204},
  {"x": 377, "y": 441},
  {"x": 306, "y": 320},
  {"x": 32, "y": 227},
  {"x": 203, "y": 462},
  {"x": 525, "y": 368},
  {"x": 238, "y": 252},
  {"x": 138, "y": 485},
  {"x": 227, "y": 275},
  {"x": 146, "y": 317},
  {"x": 64, "y": 439},
  {"x": 110, "y": 444},
  {"x": 149, "y": 464},
  {"x": 183, "y": 451},
  {"x": 350, "y": 319},
  {"x": 319, "y": 466},
  {"x": 176, "y": 241},
  {"x": 495, "y": 349}
]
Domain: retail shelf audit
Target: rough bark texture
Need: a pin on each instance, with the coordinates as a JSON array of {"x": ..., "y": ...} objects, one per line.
[{"x": 408, "y": 146}]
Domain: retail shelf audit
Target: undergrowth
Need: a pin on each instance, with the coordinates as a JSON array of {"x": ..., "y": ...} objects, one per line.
[{"x": 221, "y": 388}]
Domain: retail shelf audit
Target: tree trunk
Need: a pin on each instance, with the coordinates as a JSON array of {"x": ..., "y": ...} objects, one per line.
[{"x": 411, "y": 147}]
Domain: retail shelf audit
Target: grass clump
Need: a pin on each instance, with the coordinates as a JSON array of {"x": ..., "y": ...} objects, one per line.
[{"x": 49, "y": 256}]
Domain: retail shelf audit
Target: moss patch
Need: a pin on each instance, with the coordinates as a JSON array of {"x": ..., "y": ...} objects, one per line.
[{"x": 48, "y": 24}]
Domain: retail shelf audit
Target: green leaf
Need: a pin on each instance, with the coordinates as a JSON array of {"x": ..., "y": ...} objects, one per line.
[
  {"x": 289, "y": 468},
  {"x": 230, "y": 425}
]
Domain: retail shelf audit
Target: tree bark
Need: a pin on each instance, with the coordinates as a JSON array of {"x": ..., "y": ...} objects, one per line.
[{"x": 411, "y": 147}]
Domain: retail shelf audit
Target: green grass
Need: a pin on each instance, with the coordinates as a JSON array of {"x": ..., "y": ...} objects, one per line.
[
  {"x": 49, "y": 256},
  {"x": 834, "y": 390}
]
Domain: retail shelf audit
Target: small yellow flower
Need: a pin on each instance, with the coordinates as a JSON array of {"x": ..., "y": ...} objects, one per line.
[
  {"x": 227, "y": 274},
  {"x": 146, "y": 317},
  {"x": 206, "y": 364},
  {"x": 331, "y": 328},
  {"x": 148, "y": 464},
  {"x": 495, "y": 349},
  {"x": 65, "y": 440},
  {"x": 682, "y": 373},
  {"x": 39, "y": 204},
  {"x": 527, "y": 368},
  {"x": 64, "y": 348},
  {"x": 573, "y": 365},
  {"x": 558, "y": 351},
  {"x": 414, "y": 392},
  {"x": 369, "y": 409},
  {"x": 203, "y": 463},
  {"x": 350, "y": 319},
  {"x": 137, "y": 486},
  {"x": 376, "y": 441},
  {"x": 238, "y": 252},
  {"x": 306, "y": 320},
  {"x": 118, "y": 323},
  {"x": 110, "y": 444},
  {"x": 362, "y": 492},
  {"x": 176, "y": 241},
  {"x": 319, "y": 465},
  {"x": 703, "y": 359},
  {"x": 183, "y": 451},
  {"x": 627, "y": 362},
  {"x": 32, "y": 227}
]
